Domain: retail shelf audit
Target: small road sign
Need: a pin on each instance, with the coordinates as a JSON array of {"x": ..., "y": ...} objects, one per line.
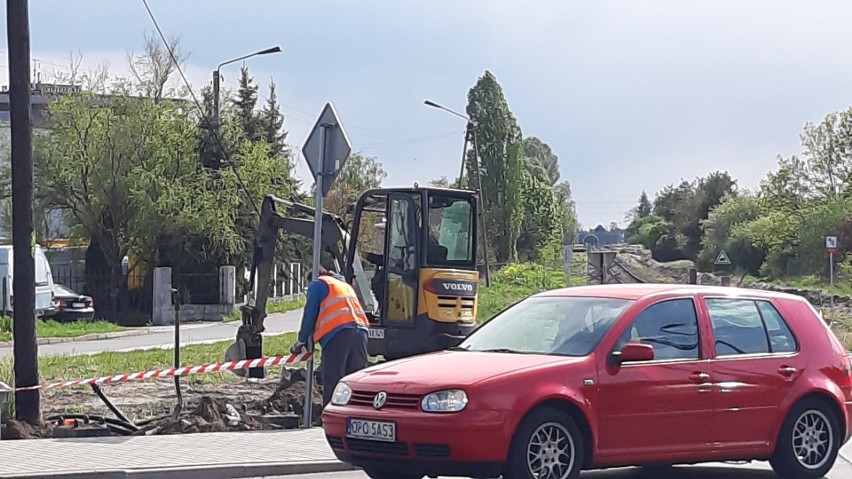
[
  {"x": 722, "y": 258},
  {"x": 328, "y": 132},
  {"x": 831, "y": 244},
  {"x": 567, "y": 253}
]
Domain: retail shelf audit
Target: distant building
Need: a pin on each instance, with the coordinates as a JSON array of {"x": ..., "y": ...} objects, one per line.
[
  {"x": 600, "y": 236},
  {"x": 42, "y": 94}
]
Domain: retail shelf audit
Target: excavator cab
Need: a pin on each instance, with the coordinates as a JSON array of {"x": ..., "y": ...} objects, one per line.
[{"x": 418, "y": 247}]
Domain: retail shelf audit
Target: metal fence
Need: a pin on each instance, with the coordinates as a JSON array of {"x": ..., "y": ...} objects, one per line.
[
  {"x": 199, "y": 288},
  {"x": 134, "y": 292}
]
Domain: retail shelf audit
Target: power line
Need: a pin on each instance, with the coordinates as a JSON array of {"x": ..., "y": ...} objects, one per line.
[
  {"x": 200, "y": 108},
  {"x": 408, "y": 141}
]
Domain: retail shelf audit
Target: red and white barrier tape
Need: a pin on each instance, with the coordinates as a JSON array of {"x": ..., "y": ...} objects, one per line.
[{"x": 184, "y": 371}]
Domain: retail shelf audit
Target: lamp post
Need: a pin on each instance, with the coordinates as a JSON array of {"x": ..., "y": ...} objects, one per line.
[
  {"x": 216, "y": 77},
  {"x": 470, "y": 135}
]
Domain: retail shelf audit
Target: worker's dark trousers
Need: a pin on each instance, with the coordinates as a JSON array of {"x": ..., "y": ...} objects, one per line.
[{"x": 343, "y": 355}]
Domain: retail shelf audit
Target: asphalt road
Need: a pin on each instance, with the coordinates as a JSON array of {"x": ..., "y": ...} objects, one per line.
[
  {"x": 756, "y": 470},
  {"x": 164, "y": 337}
]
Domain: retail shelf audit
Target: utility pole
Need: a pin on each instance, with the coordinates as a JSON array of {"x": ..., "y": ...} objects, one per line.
[{"x": 27, "y": 406}]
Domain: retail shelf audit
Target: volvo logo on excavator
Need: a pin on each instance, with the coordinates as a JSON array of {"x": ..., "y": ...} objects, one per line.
[
  {"x": 451, "y": 287},
  {"x": 467, "y": 287}
]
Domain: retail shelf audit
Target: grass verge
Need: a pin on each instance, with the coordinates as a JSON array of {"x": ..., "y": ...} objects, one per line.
[
  {"x": 54, "y": 329},
  {"x": 276, "y": 306},
  {"x": 518, "y": 281}
]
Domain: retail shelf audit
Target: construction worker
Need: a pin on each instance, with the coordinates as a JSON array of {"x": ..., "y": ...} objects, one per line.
[{"x": 335, "y": 318}]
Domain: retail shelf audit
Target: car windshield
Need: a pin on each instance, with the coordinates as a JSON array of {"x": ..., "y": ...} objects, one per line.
[
  {"x": 560, "y": 325},
  {"x": 63, "y": 290}
]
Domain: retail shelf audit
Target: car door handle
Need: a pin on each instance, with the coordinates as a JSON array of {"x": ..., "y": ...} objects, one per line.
[
  {"x": 787, "y": 371},
  {"x": 699, "y": 377}
]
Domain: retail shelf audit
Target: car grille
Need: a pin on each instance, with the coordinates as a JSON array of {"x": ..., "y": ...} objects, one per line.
[
  {"x": 432, "y": 450},
  {"x": 390, "y": 448},
  {"x": 394, "y": 401},
  {"x": 335, "y": 442}
]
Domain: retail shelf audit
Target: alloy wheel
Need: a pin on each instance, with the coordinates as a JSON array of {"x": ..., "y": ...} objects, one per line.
[
  {"x": 813, "y": 439},
  {"x": 551, "y": 452}
]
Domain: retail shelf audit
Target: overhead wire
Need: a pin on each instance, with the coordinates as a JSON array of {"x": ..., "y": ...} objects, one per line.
[{"x": 200, "y": 108}]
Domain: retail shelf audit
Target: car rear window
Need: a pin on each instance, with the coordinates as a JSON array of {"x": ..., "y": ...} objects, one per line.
[{"x": 745, "y": 326}]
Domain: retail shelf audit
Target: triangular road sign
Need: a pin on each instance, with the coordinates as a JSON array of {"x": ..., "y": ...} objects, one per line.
[{"x": 722, "y": 258}]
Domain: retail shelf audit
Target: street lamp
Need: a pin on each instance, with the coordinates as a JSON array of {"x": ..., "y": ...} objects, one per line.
[
  {"x": 467, "y": 134},
  {"x": 216, "y": 75},
  {"x": 470, "y": 135}
]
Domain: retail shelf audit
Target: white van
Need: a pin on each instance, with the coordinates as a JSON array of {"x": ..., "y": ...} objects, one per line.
[{"x": 44, "y": 304}]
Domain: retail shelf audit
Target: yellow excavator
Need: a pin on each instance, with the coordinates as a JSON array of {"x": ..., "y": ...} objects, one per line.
[{"x": 410, "y": 254}]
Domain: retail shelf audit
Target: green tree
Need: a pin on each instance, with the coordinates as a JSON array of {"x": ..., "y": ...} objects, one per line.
[
  {"x": 359, "y": 173},
  {"x": 541, "y": 227},
  {"x": 648, "y": 232},
  {"x": 541, "y": 162},
  {"x": 126, "y": 171},
  {"x": 567, "y": 211},
  {"x": 718, "y": 234},
  {"x": 499, "y": 144},
  {"x": 208, "y": 148},
  {"x": 644, "y": 208},
  {"x": 152, "y": 69},
  {"x": 244, "y": 107},
  {"x": 272, "y": 124},
  {"x": 441, "y": 182}
]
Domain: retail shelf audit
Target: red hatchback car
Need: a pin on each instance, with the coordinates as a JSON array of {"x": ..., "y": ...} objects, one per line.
[{"x": 604, "y": 376}]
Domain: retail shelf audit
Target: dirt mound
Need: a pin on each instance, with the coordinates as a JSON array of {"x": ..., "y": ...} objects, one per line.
[
  {"x": 18, "y": 430},
  {"x": 220, "y": 412},
  {"x": 21, "y": 430},
  {"x": 289, "y": 396}
]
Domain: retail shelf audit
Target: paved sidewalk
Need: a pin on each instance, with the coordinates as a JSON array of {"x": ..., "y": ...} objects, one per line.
[
  {"x": 225, "y": 455},
  {"x": 163, "y": 337},
  {"x": 207, "y": 455}
]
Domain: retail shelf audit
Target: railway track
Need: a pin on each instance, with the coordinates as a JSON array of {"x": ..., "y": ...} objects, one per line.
[{"x": 620, "y": 274}]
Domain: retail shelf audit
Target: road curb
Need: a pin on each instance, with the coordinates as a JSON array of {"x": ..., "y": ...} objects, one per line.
[
  {"x": 219, "y": 471},
  {"x": 86, "y": 337}
]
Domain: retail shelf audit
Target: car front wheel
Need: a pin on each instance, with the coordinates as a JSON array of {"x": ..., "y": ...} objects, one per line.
[
  {"x": 808, "y": 443},
  {"x": 547, "y": 445}
]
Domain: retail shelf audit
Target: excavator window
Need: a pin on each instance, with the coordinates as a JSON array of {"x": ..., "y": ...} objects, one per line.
[
  {"x": 402, "y": 264},
  {"x": 450, "y": 231}
]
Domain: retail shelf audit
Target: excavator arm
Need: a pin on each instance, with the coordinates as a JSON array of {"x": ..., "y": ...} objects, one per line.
[{"x": 335, "y": 241}]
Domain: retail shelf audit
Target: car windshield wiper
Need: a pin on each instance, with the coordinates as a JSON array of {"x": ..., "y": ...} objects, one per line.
[
  {"x": 457, "y": 348},
  {"x": 501, "y": 350}
]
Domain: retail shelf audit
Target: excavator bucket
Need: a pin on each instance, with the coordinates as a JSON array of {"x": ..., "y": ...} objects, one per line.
[{"x": 237, "y": 352}]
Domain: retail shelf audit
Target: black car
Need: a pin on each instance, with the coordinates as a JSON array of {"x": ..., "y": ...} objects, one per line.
[{"x": 72, "y": 306}]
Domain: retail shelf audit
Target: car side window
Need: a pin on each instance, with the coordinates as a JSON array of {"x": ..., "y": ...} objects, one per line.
[
  {"x": 781, "y": 339},
  {"x": 737, "y": 326},
  {"x": 670, "y": 326}
]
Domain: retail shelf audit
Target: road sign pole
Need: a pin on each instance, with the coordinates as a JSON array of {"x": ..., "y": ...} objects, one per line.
[
  {"x": 831, "y": 247},
  {"x": 318, "y": 198},
  {"x": 831, "y": 281},
  {"x": 325, "y": 150}
]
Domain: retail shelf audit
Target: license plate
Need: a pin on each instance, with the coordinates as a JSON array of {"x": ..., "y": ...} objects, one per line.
[
  {"x": 371, "y": 430},
  {"x": 78, "y": 305},
  {"x": 376, "y": 333}
]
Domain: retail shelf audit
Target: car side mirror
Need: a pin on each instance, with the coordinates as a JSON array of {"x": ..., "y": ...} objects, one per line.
[{"x": 632, "y": 352}]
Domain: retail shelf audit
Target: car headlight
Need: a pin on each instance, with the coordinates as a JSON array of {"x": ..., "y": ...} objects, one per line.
[
  {"x": 342, "y": 394},
  {"x": 453, "y": 400}
]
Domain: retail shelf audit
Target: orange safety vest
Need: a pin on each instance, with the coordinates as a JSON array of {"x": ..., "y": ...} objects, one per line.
[{"x": 340, "y": 307}]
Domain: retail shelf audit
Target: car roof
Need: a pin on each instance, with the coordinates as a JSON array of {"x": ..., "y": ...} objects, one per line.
[{"x": 636, "y": 291}]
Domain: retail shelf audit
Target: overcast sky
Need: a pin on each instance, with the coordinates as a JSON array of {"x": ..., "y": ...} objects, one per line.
[{"x": 631, "y": 95}]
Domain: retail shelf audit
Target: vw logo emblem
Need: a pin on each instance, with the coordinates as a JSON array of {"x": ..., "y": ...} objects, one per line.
[{"x": 380, "y": 399}]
